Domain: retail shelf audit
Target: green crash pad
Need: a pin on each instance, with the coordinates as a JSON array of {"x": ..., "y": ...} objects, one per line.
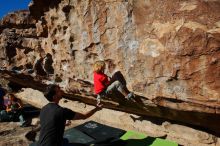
[{"x": 133, "y": 138}]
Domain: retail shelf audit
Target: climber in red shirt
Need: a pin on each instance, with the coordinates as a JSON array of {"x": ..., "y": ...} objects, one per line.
[{"x": 102, "y": 85}]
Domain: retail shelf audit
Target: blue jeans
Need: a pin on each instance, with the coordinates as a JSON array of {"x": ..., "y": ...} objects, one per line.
[
  {"x": 11, "y": 116},
  {"x": 5, "y": 116}
]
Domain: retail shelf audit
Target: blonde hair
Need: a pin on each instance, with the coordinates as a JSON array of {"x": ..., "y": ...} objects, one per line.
[{"x": 99, "y": 66}]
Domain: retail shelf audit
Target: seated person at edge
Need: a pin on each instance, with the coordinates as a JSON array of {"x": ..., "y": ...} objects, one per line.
[
  {"x": 13, "y": 111},
  {"x": 53, "y": 119},
  {"x": 103, "y": 86}
]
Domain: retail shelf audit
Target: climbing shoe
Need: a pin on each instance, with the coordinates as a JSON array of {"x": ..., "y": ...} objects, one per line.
[{"x": 130, "y": 95}]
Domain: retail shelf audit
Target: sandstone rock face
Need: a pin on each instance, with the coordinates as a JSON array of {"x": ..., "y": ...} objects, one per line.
[
  {"x": 13, "y": 135},
  {"x": 18, "y": 42},
  {"x": 168, "y": 51}
]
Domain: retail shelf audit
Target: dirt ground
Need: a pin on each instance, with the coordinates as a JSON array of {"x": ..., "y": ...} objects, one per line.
[{"x": 11, "y": 134}]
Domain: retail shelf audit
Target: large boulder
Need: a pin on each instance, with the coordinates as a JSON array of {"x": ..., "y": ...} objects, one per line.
[{"x": 165, "y": 50}]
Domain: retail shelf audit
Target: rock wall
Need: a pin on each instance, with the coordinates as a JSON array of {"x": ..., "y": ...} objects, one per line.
[
  {"x": 19, "y": 43},
  {"x": 168, "y": 51}
]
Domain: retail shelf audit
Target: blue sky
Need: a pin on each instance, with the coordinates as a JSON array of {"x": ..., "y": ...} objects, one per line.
[{"x": 7, "y": 6}]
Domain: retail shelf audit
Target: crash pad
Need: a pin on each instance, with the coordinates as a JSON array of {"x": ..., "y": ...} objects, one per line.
[
  {"x": 100, "y": 132},
  {"x": 133, "y": 138},
  {"x": 93, "y": 133},
  {"x": 75, "y": 136}
]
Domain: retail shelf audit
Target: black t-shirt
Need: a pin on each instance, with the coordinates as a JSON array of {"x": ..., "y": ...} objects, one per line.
[{"x": 52, "y": 119}]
